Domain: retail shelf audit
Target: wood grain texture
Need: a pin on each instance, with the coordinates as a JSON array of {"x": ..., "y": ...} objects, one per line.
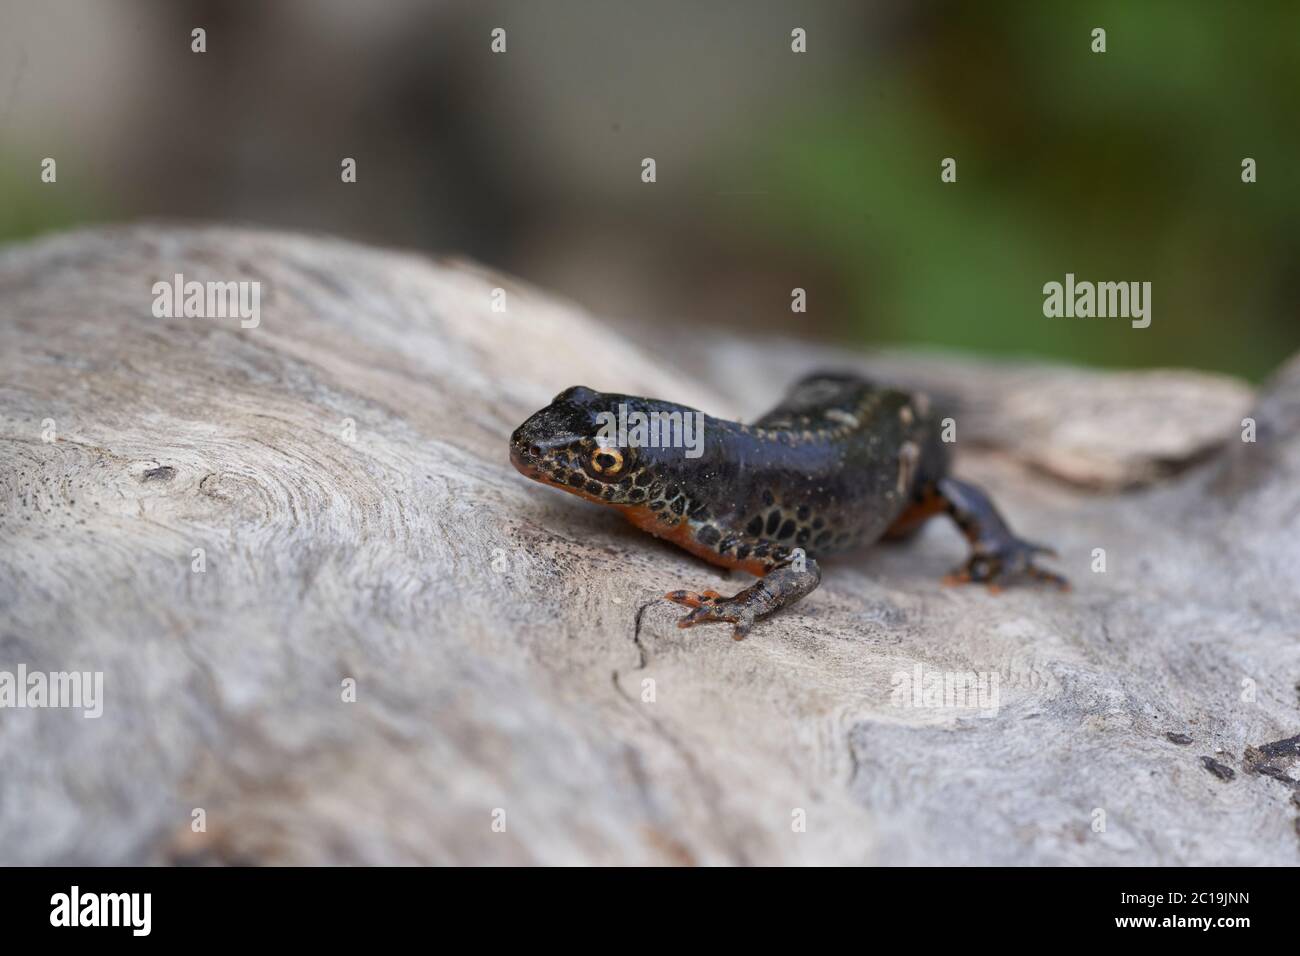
[{"x": 491, "y": 625}]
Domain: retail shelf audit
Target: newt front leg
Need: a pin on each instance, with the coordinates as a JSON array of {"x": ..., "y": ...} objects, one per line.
[{"x": 783, "y": 586}]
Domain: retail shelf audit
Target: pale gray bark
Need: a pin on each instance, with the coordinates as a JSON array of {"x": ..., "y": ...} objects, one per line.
[{"x": 490, "y": 624}]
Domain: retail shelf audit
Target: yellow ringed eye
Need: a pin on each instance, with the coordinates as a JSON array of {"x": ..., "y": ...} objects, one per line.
[{"x": 607, "y": 461}]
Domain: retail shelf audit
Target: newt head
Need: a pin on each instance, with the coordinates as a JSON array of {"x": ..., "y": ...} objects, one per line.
[{"x": 602, "y": 446}]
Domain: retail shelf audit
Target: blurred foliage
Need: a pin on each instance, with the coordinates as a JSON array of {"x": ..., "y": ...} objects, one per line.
[
  {"x": 1119, "y": 166},
  {"x": 29, "y": 207}
]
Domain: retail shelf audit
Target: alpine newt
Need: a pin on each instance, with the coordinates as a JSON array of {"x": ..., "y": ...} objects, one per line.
[{"x": 839, "y": 464}]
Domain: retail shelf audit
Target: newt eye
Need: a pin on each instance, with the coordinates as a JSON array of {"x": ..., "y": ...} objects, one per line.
[{"x": 607, "y": 461}]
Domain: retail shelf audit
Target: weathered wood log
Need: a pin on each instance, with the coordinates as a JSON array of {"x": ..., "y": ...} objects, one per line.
[{"x": 520, "y": 694}]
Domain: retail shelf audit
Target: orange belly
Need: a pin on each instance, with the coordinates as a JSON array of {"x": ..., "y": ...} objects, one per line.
[{"x": 680, "y": 534}]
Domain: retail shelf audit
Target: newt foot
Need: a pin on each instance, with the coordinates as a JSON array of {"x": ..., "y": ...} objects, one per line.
[
  {"x": 709, "y": 607},
  {"x": 783, "y": 586},
  {"x": 1008, "y": 559}
]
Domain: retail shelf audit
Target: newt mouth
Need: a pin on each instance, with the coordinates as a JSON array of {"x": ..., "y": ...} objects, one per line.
[
  {"x": 525, "y": 457},
  {"x": 528, "y": 465},
  {"x": 521, "y": 464}
]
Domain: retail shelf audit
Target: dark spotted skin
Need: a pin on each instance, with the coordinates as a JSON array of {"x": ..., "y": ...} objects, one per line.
[{"x": 839, "y": 464}]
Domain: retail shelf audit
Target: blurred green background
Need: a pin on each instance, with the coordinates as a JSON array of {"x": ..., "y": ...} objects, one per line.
[{"x": 774, "y": 169}]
